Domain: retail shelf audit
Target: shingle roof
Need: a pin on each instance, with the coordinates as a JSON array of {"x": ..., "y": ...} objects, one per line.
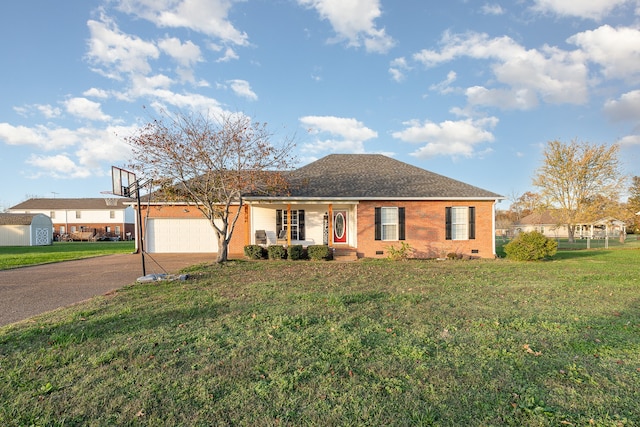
[
  {"x": 362, "y": 176},
  {"x": 538, "y": 218},
  {"x": 70, "y": 204},
  {"x": 16, "y": 219}
]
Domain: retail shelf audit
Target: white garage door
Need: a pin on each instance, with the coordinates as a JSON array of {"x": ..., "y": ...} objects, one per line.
[{"x": 184, "y": 235}]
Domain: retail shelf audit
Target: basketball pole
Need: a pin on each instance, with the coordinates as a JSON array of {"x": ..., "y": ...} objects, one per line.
[{"x": 140, "y": 239}]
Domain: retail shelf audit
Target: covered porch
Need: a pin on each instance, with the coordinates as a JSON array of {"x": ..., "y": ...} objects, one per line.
[{"x": 302, "y": 223}]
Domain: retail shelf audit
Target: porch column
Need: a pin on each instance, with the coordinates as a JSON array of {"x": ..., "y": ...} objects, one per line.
[
  {"x": 247, "y": 224},
  {"x": 330, "y": 240},
  {"x": 289, "y": 225}
]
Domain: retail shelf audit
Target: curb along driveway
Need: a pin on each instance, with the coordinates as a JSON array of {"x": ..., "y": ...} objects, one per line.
[{"x": 29, "y": 291}]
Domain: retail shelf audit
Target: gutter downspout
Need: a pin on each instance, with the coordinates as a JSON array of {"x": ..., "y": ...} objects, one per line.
[{"x": 493, "y": 229}]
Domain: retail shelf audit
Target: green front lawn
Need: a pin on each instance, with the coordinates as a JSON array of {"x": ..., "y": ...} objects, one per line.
[
  {"x": 18, "y": 256},
  {"x": 447, "y": 343}
]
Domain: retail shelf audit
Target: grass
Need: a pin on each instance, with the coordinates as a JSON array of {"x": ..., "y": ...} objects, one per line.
[
  {"x": 19, "y": 256},
  {"x": 445, "y": 343}
]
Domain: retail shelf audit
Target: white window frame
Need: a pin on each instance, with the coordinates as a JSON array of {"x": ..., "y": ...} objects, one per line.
[
  {"x": 389, "y": 223},
  {"x": 459, "y": 223}
]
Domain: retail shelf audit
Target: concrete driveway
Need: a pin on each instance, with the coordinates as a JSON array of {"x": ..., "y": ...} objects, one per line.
[{"x": 29, "y": 291}]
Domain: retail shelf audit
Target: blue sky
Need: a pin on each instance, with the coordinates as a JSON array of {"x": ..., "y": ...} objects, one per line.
[{"x": 469, "y": 89}]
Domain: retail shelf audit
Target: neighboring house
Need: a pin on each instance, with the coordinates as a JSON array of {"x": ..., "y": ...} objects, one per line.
[
  {"x": 84, "y": 218},
  {"x": 546, "y": 223},
  {"x": 359, "y": 203},
  {"x": 25, "y": 230}
]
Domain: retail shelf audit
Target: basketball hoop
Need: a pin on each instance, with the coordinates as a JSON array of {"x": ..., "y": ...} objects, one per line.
[{"x": 110, "y": 201}]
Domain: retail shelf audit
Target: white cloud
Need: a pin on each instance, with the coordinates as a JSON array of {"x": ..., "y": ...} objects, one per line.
[
  {"x": 103, "y": 145},
  {"x": 630, "y": 140},
  {"x": 56, "y": 166},
  {"x": 397, "y": 68},
  {"x": 507, "y": 99},
  {"x": 242, "y": 88},
  {"x": 450, "y": 138},
  {"x": 48, "y": 111},
  {"x": 354, "y": 21},
  {"x": 86, "y": 109},
  {"x": 38, "y": 136},
  {"x": 186, "y": 54},
  {"x": 209, "y": 17},
  {"x": 492, "y": 9},
  {"x": 552, "y": 74},
  {"x": 340, "y": 126},
  {"x": 229, "y": 54},
  {"x": 444, "y": 86},
  {"x": 187, "y": 101},
  {"x": 588, "y": 9},
  {"x": 116, "y": 53},
  {"x": 96, "y": 93},
  {"x": 625, "y": 108},
  {"x": 349, "y": 134},
  {"x": 616, "y": 50},
  {"x": 80, "y": 152}
]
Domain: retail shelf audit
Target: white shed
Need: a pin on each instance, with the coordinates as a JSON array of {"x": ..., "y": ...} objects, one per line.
[{"x": 25, "y": 230}]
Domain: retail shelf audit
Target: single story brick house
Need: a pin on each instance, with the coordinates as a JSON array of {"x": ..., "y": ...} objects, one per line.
[
  {"x": 86, "y": 217},
  {"x": 25, "y": 229},
  {"x": 360, "y": 204}
]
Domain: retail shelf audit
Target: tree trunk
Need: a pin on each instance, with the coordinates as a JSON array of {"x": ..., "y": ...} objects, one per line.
[
  {"x": 223, "y": 249},
  {"x": 572, "y": 231}
]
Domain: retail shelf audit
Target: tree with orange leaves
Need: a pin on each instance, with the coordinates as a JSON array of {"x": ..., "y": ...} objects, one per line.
[{"x": 576, "y": 174}]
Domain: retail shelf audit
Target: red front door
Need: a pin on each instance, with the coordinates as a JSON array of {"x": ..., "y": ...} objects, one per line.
[{"x": 340, "y": 226}]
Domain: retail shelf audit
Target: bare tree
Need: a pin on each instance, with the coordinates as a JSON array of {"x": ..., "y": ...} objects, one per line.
[
  {"x": 575, "y": 175},
  {"x": 212, "y": 162}
]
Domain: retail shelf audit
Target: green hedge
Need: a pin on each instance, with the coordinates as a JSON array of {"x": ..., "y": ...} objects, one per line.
[
  {"x": 277, "y": 252},
  {"x": 254, "y": 252},
  {"x": 531, "y": 246},
  {"x": 319, "y": 252},
  {"x": 295, "y": 252}
]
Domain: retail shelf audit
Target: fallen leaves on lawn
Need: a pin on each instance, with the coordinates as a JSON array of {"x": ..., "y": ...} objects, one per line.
[{"x": 531, "y": 351}]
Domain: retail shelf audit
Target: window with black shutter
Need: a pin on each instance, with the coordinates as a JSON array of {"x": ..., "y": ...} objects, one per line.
[
  {"x": 460, "y": 223},
  {"x": 389, "y": 223}
]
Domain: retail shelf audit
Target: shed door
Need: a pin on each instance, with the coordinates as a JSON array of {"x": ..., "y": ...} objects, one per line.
[
  {"x": 42, "y": 237},
  {"x": 180, "y": 235}
]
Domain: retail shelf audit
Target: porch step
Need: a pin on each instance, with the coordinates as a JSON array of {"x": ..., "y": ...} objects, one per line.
[{"x": 345, "y": 254}]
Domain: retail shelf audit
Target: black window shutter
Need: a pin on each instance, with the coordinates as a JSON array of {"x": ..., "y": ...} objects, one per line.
[
  {"x": 447, "y": 220},
  {"x": 401, "y": 226},
  {"x": 278, "y": 221},
  {"x": 301, "y": 225},
  {"x": 378, "y": 225},
  {"x": 472, "y": 222}
]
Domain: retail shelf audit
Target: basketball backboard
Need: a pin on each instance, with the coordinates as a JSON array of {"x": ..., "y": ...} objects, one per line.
[{"x": 122, "y": 180}]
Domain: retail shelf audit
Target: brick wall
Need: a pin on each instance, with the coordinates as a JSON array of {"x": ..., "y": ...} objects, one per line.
[{"x": 425, "y": 230}]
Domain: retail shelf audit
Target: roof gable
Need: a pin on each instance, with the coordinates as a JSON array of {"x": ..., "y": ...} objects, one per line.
[
  {"x": 71, "y": 204},
  {"x": 361, "y": 176},
  {"x": 16, "y": 218}
]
